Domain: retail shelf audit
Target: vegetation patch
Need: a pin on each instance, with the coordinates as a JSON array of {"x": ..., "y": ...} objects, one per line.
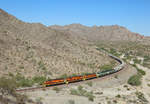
[
  {"x": 135, "y": 80},
  {"x": 106, "y": 67},
  {"x": 39, "y": 79},
  {"x": 90, "y": 83},
  {"x": 141, "y": 97},
  {"x": 82, "y": 92},
  {"x": 7, "y": 88},
  {"x": 22, "y": 81},
  {"x": 71, "y": 101},
  {"x": 140, "y": 71}
]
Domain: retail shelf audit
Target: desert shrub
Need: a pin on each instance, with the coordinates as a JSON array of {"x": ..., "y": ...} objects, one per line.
[
  {"x": 56, "y": 89},
  {"x": 140, "y": 71},
  {"x": 146, "y": 58},
  {"x": 39, "y": 79},
  {"x": 116, "y": 76},
  {"x": 90, "y": 96},
  {"x": 10, "y": 74},
  {"x": 25, "y": 82},
  {"x": 81, "y": 92},
  {"x": 141, "y": 97},
  {"x": 137, "y": 61},
  {"x": 22, "y": 81},
  {"x": 148, "y": 85},
  {"x": 89, "y": 83},
  {"x": 80, "y": 88},
  {"x": 21, "y": 67},
  {"x": 118, "y": 96},
  {"x": 125, "y": 86},
  {"x": 135, "y": 80},
  {"x": 71, "y": 101},
  {"x": 115, "y": 101},
  {"x": 134, "y": 65},
  {"x": 7, "y": 85},
  {"x": 41, "y": 65},
  {"x": 74, "y": 92}
]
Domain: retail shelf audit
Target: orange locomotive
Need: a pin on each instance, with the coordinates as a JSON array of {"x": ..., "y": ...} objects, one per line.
[
  {"x": 69, "y": 80},
  {"x": 53, "y": 82}
]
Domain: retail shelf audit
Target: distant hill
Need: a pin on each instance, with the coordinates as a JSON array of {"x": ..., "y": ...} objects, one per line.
[{"x": 101, "y": 33}]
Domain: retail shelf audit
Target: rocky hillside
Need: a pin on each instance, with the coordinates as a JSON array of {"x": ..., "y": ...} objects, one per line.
[
  {"x": 101, "y": 33},
  {"x": 33, "y": 49}
]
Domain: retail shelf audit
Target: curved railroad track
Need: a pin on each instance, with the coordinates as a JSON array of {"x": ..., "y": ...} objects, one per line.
[{"x": 117, "y": 69}]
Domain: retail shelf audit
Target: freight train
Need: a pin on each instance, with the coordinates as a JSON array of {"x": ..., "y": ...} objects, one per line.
[{"x": 87, "y": 76}]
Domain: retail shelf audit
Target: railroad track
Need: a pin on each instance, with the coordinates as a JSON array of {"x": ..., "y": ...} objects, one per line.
[{"x": 117, "y": 69}]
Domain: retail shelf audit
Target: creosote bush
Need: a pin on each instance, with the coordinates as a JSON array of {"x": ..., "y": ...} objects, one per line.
[{"x": 135, "y": 80}]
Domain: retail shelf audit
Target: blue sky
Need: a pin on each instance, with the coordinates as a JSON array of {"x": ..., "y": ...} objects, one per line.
[{"x": 133, "y": 14}]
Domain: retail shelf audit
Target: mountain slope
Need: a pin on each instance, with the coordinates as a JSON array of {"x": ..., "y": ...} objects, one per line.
[{"x": 33, "y": 49}]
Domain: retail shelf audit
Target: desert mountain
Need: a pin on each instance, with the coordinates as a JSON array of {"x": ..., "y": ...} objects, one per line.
[
  {"x": 101, "y": 33},
  {"x": 33, "y": 49}
]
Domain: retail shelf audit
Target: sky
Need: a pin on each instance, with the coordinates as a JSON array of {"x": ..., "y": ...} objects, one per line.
[{"x": 132, "y": 14}]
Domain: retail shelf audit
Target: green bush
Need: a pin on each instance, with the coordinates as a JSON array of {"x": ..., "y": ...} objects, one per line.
[
  {"x": 137, "y": 61},
  {"x": 135, "y": 80},
  {"x": 74, "y": 92},
  {"x": 91, "y": 98},
  {"x": 39, "y": 79},
  {"x": 80, "y": 88},
  {"x": 41, "y": 65},
  {"x": 25, "y": 82},
  {"x": 81, "y": 92},
  {"x": 146, "y": 58},
  {"x": 118, "y": 96},
  {"x": 140, "y": 96},
  {"x": 22, "y": 81},
  {"x": 7, "y": 85},
  {"x": 142, "y": 72},
  {"x": 89, "y": 83}
]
